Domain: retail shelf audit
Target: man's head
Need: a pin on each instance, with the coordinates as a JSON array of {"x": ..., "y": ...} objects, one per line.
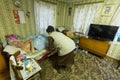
[{"x": 50, "y": 29}]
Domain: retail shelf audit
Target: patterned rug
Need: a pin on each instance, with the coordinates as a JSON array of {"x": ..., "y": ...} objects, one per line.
[{"x": 86, "y": 67}]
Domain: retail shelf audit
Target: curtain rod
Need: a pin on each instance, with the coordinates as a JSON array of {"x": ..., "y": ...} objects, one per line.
[
  {"x": 88, "y": 3},
  {"x": 49, "y": 1}
]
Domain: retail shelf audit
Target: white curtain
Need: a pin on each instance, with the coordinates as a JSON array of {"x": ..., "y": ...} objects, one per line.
[
  {"x": 45, "y": 14},
  {"x": 114, "y": 50},
  {"x": 116, "y": 21},
  {"x": 116, "y": 18},
  {"x": 84, "y": 15}
]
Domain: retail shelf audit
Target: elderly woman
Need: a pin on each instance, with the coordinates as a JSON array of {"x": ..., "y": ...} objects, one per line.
[{"x": 60, "y": 48}]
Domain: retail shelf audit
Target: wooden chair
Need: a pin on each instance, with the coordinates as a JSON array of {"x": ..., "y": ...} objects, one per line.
[
  {"x": 19, "y": 70},
  {"x": 3, "y": 65},
  {"x": 14, "y": 67},
  {"x": 118, "y": 65},
  {"x": 4, "y": 69}
]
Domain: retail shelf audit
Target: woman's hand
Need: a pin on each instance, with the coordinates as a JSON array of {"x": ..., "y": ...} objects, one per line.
[{"x": 53, "y": 51}]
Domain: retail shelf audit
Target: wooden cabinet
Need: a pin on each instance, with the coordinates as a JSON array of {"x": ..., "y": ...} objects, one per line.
[
  {"x": 3, "y": 65},
  {"x": 97, "y": 47}
]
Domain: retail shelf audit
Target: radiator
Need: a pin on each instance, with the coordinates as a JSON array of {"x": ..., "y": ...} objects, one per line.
[{"x": 114, "y": 51}]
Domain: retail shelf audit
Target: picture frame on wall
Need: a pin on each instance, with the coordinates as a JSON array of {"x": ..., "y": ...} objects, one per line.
[{"x": 108, "y": 10}]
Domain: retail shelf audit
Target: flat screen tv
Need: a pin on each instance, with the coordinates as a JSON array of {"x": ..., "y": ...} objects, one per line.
[{"x": 102, "y": 32}]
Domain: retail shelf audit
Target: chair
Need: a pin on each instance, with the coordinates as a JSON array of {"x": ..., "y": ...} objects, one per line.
[
  {"x": 20, "y": 72},
  {"x": 14, "y": 67},
  {"x": 118, "y": 65}
]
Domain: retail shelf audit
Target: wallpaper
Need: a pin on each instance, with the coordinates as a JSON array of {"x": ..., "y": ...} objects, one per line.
[
  {"x": 67, "y": 9},
  {"x": 87, "y": 1},
  {"x": 8, "y": 25},
  {"x": 64, "y": 18},
  {"x": 7, "y": 22}
]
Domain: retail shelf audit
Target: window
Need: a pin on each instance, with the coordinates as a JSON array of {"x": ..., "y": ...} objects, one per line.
[
  {"x": 85, "y": 15},
  {"x": 45, "y": 14}
]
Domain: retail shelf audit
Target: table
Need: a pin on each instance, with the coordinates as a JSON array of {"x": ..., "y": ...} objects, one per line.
[
  {"x": 27, "y": 73},
  {"x": 20, "y": 58},
  {"x": 30, "y": 68}
]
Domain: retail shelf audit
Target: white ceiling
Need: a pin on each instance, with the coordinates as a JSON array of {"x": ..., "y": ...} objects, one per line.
[{"x": 70, "y": 0}]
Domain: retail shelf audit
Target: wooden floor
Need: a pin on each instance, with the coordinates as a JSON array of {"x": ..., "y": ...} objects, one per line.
[{"x": 4, "y": 75}]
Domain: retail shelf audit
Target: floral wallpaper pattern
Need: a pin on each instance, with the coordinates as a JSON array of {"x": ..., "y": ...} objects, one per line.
[{"x": 7, "y": 22}]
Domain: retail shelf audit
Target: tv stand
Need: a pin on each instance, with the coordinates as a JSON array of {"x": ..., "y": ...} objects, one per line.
[{"x": 97, "y": 47}]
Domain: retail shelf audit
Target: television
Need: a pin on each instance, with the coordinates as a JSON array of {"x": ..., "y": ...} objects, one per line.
[{"x": 102, "y": 32}]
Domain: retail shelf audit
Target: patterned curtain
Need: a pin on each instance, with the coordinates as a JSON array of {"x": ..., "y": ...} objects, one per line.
[
  {"x": 84, "y": 15},
  {"x": 45, "y": 14},
  {"x": 114, "y": 50},
  {"x": 116, "y": 21}
]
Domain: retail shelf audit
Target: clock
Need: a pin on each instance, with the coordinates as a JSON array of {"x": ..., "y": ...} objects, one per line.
[{"x": 18, "y": 3}]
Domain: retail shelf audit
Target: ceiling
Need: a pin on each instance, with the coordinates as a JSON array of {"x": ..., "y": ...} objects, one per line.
[{"x": 70, "y": 0}]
